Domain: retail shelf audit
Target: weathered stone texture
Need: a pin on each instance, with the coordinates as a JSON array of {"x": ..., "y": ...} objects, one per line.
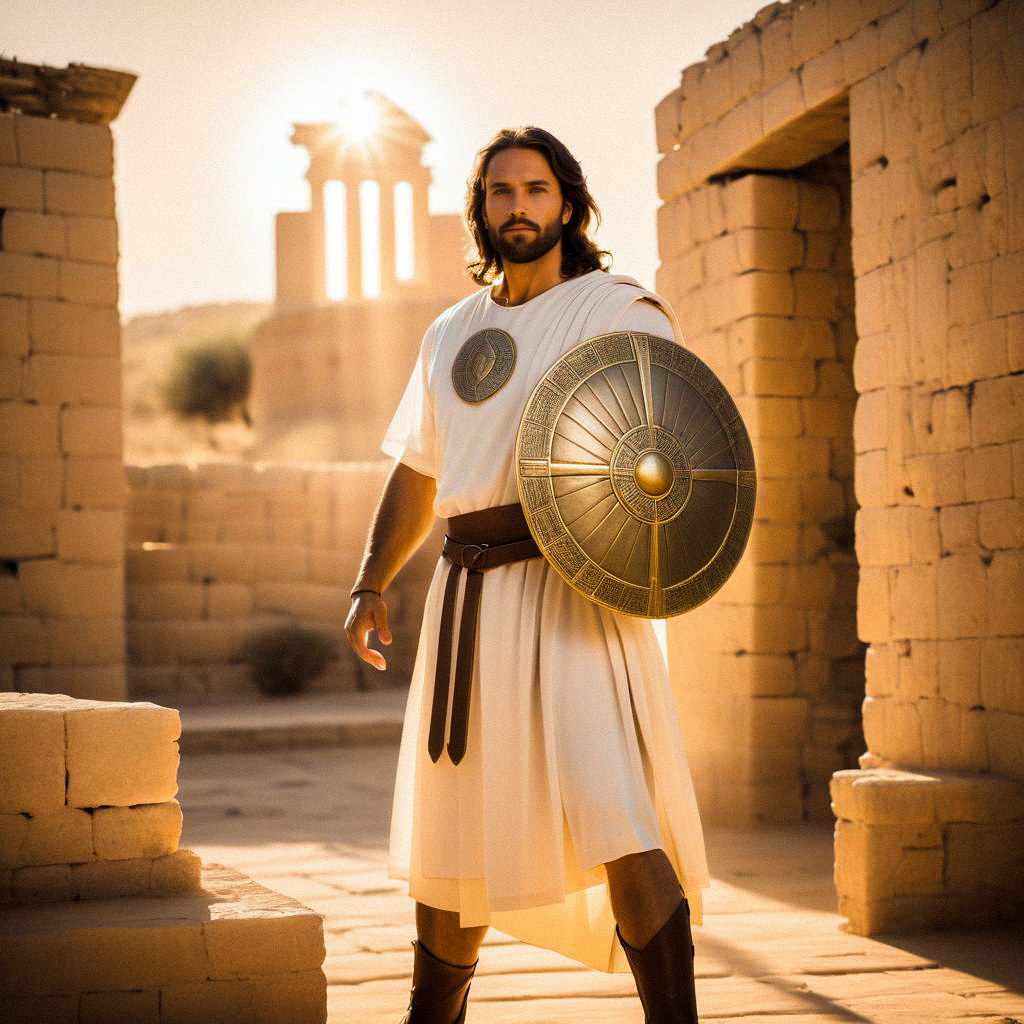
[
  {"x": 59, "y": 402},
  {"x": 219, "y": 552},
  {"x": 926, "y": 315},
  {"x": 910, "y": 845}
]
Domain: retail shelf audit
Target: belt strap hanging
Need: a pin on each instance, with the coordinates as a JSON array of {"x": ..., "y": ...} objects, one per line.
[{"x": 495, "y": 536}]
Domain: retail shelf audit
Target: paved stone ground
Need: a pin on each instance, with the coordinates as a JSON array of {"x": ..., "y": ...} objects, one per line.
[{"x": 312, "y": 823}]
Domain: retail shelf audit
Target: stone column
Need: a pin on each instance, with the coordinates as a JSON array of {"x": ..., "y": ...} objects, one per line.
[
  {"x": 388, "y": 275},
  {"x": 318, "y": 244},
  {"x": 420, "y": 228},
  {"x": 354, "y": 243}
]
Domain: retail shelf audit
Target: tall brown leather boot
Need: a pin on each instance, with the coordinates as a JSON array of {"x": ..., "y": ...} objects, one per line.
[
  {"x": 663, "y": 970},
  {"x": 440, "y": 990}
]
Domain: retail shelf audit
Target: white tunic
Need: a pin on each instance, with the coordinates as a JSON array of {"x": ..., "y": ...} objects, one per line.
[{"x": 575, "y": 756}]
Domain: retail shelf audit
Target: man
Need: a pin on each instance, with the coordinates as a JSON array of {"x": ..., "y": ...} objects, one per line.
[{"x": 560, "y": 809}]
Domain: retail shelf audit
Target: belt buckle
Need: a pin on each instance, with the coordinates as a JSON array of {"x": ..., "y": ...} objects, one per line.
[{"x": 477, "y": 554}]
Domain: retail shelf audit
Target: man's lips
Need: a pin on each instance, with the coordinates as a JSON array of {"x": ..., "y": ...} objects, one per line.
[{"x": 519, "y": 227}]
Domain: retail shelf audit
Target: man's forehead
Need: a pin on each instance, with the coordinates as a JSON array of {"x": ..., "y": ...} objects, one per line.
[{"x": 517, "y": 164}]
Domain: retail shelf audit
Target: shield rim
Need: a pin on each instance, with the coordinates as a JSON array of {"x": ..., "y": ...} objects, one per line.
[{"x": 742, "y": 540}]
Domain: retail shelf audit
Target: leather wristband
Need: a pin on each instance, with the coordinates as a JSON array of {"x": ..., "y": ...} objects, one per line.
[{"x": 365, "y": 590}]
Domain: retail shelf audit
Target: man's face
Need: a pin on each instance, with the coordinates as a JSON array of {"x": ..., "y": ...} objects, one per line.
[{"x": 523, "y": 207}]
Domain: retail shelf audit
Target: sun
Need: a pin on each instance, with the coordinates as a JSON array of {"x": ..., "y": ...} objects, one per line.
[{"x": 360, "y": 118}]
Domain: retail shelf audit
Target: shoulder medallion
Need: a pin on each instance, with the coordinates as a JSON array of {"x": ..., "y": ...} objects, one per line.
[{"x": 483, "y": 364}]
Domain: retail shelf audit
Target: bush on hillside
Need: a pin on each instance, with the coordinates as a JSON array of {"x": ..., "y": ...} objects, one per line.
[{"x": 209, "y": 379}]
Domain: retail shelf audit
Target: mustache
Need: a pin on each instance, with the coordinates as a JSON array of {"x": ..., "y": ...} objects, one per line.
[{"x": 515, "y": 223}]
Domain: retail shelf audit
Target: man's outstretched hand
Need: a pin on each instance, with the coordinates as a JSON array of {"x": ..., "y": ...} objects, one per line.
[{"x": 368, "y": 612}]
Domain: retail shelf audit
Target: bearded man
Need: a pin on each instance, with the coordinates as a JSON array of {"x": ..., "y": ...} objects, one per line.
[{"x": 545, "y": 790}]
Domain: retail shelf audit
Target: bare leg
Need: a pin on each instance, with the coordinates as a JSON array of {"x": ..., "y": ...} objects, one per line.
[
  {"x": 644, "y": 892},
  {"x": 439, "y": 931}
]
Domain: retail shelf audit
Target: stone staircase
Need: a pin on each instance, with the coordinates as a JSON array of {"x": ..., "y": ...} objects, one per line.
[{"x": 104, "y": 918}]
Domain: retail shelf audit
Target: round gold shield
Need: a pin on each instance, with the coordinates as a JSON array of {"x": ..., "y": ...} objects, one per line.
[{"x": 636, "y": 474}]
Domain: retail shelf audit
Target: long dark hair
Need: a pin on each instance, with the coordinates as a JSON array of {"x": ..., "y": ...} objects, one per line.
[{"x": 580, "y": 255}]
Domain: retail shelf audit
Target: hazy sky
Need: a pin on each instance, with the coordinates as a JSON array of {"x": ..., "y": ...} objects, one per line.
[{"x": 202, "y": 150}]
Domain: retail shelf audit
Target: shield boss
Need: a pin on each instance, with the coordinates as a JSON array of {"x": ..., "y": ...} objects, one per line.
[{"x": 636, "y": 474}]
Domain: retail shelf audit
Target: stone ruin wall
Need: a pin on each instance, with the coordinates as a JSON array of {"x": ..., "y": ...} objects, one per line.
[
  {"x": 925, "y": 95},
  {"x": 337, "y": 370},
  {"x": 216, "y": 552},
  {"x": 61, "y": 475}
]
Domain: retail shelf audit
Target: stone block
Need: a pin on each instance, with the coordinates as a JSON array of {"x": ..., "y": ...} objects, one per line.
[
  {"x": 23, "y": 641},
  {"x": 28, "y": 276},
  {"x": 121, "y": 754},
  {"x": 49, "y": 883},
  {"x": 166, "y": 600},
  {"x": 762, "y": 201},
  {"x": 37, "y": 234},
  {"x": 57, "y": 588},
  {"x": 221, "y": 563},
  {"x": 779, "y": 377},
  {"x": 92, "y": 239},
  {"x": 55, "y": 143},
  {"x": 1004, "y": 585},
  {"x": 91, "y": 535},
  {"x": 90, "y": 682},
  {"x": 21, "y": 188},
  {"x": 70, "y": 328},
  {"x": 80, "y": 194},
  {"x": 92, "y": 641},
  {"x": 1001, "y": 523},
  {"x": 41, "y": 1010},
  {"x": 32, "y": 764},
  {"x": 148, "y": 943},
  {"x": 146, "y": 831},
  {"x": 92, "y": 284},
  {"x": 14, "y": 340},
  {"x": 912, "y": 599},
  {"x": 229, "y": 600},
  {"x": 1006, "y": 743},
  {"x": 107, "y": 1007},
  {"x": 1001, "y": 670},
  {"x": 91, "y": 431},
  {"x": 42, "y": 484},
  {"x": 816, "y": 294},
  {"x": 871, "y": 421},
  {"x": 294, "y": 998},
  {"x": 961, "y": 583},
  {"x": 153, "y": 562},
  {"x": 53, "y": 837},
  {"x": 71, "y": 379}
]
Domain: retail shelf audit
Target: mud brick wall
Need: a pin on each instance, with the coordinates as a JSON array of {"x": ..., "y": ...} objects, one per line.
[
  {"x": 61, "y": 478},
  {"x": 922, "y": 98},
  {"x": 217, "y": 552}
]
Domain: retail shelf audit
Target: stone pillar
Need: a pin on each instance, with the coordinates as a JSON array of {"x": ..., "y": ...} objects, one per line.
[
  {"x": 318, "y": 244},
  {"x": 61, "y": 471},
  {"x": 354, "y": 240},
  {"x": 420, "y": 228},
  {"x": 388, "y": 275}
]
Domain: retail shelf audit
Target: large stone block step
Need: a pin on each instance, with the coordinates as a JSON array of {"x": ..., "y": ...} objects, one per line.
[{"x": 233, "y": 953}]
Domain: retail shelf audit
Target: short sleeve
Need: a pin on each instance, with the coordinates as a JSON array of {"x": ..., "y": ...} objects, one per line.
[
  {"x": 411, "y": 437},
  {"x": 643, "y": 315}
]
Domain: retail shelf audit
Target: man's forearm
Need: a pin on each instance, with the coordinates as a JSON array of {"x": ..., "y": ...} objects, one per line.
[{"x": 404, "y": 517}]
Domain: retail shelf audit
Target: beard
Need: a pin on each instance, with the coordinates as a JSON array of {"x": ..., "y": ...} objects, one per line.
[{"x": 525, "y": 248}]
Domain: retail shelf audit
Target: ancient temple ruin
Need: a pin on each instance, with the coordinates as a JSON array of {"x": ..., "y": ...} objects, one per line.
[{"x": 329, "y": 368}]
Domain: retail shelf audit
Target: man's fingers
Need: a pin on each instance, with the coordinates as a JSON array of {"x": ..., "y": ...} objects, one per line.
[
  {"x": 357, "y": 629},
  {"x": 381, "y": 619}
]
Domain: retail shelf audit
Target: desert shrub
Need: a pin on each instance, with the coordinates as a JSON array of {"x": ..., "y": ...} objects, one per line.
[
  {"x": 284, "y": 658},
  {"x": 210, "y": 379}
]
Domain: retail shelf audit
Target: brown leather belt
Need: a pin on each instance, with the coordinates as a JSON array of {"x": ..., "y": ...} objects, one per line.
[{"x": 476, "y": 542}]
